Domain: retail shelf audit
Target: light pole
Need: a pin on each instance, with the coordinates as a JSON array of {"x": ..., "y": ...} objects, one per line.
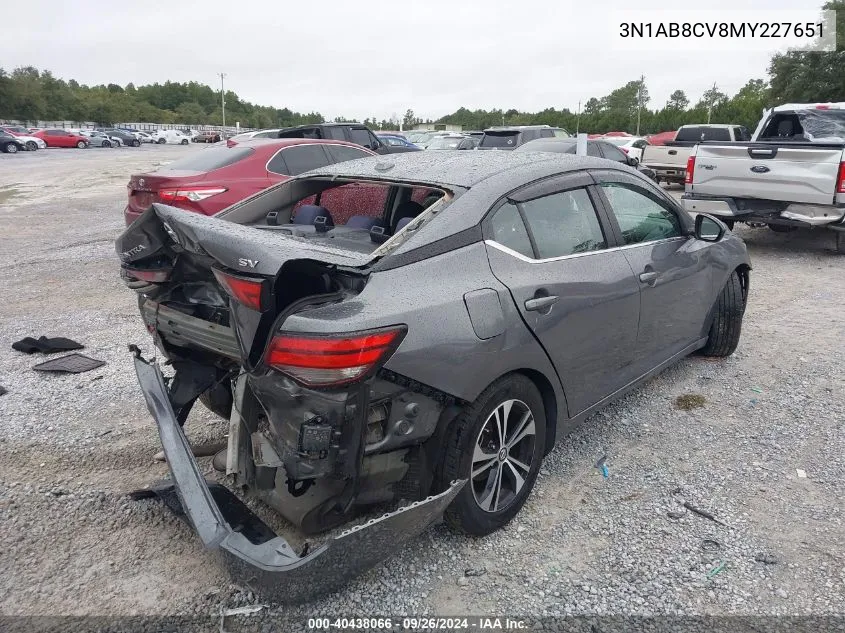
[
  {"x": 578, "y": 119},
  {"x": 710, "y": 103},
  {"x": 640, "y": 102},
  {"x": 223, "y": 99}
]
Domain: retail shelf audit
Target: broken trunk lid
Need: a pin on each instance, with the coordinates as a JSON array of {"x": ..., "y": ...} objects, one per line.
[{"x": 235, "y": 246}]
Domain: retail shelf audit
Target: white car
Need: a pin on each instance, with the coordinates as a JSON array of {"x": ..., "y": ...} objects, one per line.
[
  {"x": 632, "y": 145},
  {"x": 173, "y": 137},
  {"x": 31, "y": 143}
]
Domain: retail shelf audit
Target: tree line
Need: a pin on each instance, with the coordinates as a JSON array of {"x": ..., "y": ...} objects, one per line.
[{"x": 28, "y": 94}]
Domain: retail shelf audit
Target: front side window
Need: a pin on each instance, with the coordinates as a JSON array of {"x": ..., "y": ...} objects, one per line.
[
  {"x": 564, "y": 223},
  {"x": 640, "y": 216},
  {"x": 509, "y": 230}
]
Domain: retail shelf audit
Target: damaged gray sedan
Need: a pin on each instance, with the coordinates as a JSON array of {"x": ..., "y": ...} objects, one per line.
[{"x": 415, "y": 330}]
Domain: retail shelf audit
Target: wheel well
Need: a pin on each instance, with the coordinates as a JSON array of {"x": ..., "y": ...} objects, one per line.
[
  {"x": 549, "y": 403},
  {"x": 744, "y": 270}
]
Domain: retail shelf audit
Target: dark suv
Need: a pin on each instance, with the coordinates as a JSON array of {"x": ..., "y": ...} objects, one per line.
[
  {"x": 351, "y": 132},
  {"x": 514, "y": 136}
]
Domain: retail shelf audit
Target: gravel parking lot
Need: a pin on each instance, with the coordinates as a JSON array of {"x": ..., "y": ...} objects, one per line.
[{"x": 71, "y": 543}]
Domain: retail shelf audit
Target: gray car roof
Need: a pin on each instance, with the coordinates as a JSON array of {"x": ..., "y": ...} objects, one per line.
[{"x": 462, "y": 168}]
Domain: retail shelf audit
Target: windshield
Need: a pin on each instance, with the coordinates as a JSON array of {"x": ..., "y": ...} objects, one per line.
[
  {"x": 209, "y": 159},
  {"x": 445, "y": 142}
]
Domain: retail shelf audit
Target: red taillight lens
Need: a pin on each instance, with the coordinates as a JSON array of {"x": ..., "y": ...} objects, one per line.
[
  {"x": 322, "y": 361},
  {"x": 840, "y": 182},
  {"x": 690, "y": 170},
  {"x": 189, "y": 194},
  {"x": 248, "y": 291},
  {"x": 157, "y": 276}
]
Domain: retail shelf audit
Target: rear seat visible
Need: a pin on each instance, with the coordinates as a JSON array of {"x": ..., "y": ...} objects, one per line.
[
  {"x": 308, "y": 214},
  {"x": 362, "y": 222}
]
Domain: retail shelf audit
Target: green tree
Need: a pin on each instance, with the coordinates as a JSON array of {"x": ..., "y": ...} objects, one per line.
[
  {"x": 678, "y": 100},
  {"x": 190, "y": 113}
]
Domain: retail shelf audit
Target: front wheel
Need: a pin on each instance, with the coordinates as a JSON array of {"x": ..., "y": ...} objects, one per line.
[
  {"x": 10, "y": 148},
  {"x": 497, "y": 445},
  {"x": 184, "y": 141},
  {"x": 81, "y": 144},
  {"x": 106, "y": 143},
  {"x": 136, "y": 143},
  {"x": 723, "y": 338},
  {"x": 161, "y": 141},
  {"x": 32, "y": 146}
]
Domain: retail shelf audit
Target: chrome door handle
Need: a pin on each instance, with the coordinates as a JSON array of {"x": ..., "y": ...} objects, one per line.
[
  {"x": 540, "y": 303},
  {"x": 648, "y": 277}
]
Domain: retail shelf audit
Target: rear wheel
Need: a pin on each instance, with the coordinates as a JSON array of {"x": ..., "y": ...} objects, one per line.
[
  {"x": 136, "y": 143},
  {"x": 161, "y": 141},
  {"x": 106, "y": 143},
  {"x": 32, "y": 146},
  {"x": 10, "y": 148},
  {"x": 723, "y": 337},
  {"x": 497, "y": 445},
  {"x": 82, "y": 144},
  {"x": 184, "y": 141}
]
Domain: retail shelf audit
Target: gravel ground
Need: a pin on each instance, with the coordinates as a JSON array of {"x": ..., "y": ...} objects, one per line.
[{"x": 72, "y": 544}]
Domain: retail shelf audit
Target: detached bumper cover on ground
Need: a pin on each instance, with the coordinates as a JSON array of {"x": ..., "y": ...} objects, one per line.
[{"x": 254, "y": 552}]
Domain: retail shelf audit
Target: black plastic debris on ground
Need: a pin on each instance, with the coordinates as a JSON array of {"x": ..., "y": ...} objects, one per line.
[
  {"x": 3, "y": 390},
  {"x": 72, "y": 363},
  {"x": 46, "y": 345}
]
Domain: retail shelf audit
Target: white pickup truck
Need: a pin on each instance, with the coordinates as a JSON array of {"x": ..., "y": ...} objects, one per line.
[
  {"x": 669, "y": 161},
  {"x": 791, "y": 174}
]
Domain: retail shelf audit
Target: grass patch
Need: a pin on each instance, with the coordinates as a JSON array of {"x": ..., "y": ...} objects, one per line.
[{"x": 689, "y": 401}]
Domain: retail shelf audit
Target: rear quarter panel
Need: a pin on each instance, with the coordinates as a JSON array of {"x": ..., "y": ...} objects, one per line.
[{"x": 441, "y": 348}]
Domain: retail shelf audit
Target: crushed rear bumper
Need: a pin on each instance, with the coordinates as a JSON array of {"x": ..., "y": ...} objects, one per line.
[{"x": 251, "y": 550}]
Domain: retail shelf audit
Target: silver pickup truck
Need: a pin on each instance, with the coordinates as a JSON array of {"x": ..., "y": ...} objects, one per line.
[
  {"x": 791, "y": 174},
  {"x": 669, "y": 161}
]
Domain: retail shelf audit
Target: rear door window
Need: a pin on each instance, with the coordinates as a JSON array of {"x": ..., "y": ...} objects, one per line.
[
  {"x": 336, "y": 133},
  {"x": 299, "y": 159},
  {"x": 210, "y": 159},
  {"x": 499, "y": 139},
  {"x": 564, "y": 223}
]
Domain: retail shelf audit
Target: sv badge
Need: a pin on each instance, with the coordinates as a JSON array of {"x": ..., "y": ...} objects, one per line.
[{"x": 247, "y": 263}]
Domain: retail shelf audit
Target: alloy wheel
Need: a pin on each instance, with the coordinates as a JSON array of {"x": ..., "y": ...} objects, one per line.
[
  {"x": 12, "y": 148},
  {"x": 503, "y": 455},
  {"x": 31, "y": 146}
]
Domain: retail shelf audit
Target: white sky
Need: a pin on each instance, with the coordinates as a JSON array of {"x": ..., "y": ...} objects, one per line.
[{"x": 380, "y": 57}]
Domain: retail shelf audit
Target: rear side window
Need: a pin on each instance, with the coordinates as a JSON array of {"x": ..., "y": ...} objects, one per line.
[
  {"x": 298, "y": 159},
  {"x": 509, "y": 230},
  {"x": 340, "y": 153},
  {"x": 335, "y": 133},
  {"x": 641, "y": 217},
  {"x": 564, "y": 223},
  {"x": 499, "y": 139},
  {"x": 613, "y": 153},
  {"x": 210, "y": 159}
]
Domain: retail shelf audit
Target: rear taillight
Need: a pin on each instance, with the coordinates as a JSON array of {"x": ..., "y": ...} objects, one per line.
[
  {"x": 321, "y": 361},
  {"x": 189, "y": 194},
  {"x": 250, "y": 292},
  {"x": 690, "y": 170},
  {"x": 840, "y": 183},
  {"x": 156, "y": 276}
]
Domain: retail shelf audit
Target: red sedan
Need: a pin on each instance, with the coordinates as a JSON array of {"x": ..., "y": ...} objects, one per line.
[
  {"x": 209, "y": 180},
  {"x": 61, "y": 138}
]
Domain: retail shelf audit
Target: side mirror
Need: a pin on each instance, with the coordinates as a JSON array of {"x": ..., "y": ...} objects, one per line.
[{"x": 708, "y": 228}]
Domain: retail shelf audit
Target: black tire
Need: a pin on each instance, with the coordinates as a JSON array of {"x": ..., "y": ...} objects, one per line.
[
  {"x": 162, "y": 141},
  {"x": 32, "y": 146},
  {"x": 136, "y": 143},
  {"x": 10, "y": 148},
  {"x": 840, "y": 242},
  {"x": 723, "y": 337},
  {"x": 106, "y": 144},
  {"x": 782, "y": 228},
  {"x": 218, "y": 400},
  {"x": 82, "y": 144},
  {"x": 465, "y": 514},
  {"x": 184, "y": 141}
]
